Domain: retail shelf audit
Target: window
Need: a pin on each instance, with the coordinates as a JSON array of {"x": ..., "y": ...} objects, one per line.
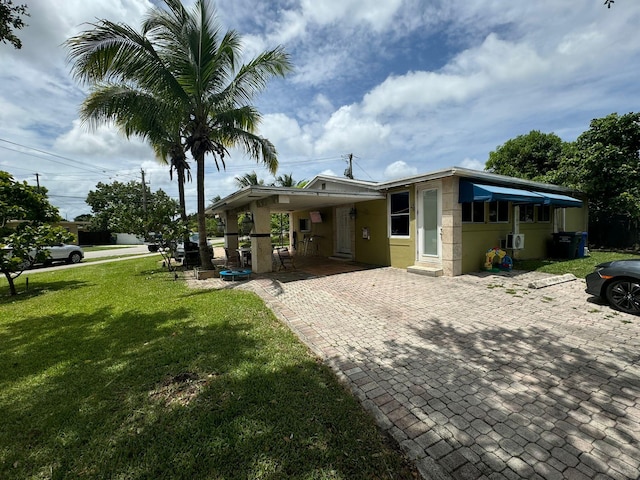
[
  {"x": 305, "y": 225},
  {"x": 526, "y": 213},
  {"x": 498, "y": 211},
  {"x": 399, "y": 213},
  {"x": 544, "y": 213},
  {"x": 473, "y": 212}
]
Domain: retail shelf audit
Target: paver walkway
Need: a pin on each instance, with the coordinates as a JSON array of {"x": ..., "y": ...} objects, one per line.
[{"x": 479, "y": 376}]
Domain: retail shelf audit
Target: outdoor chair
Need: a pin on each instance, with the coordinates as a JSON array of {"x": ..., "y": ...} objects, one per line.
[
  {"x": 285, "y": 257},
  {"x": 232, "y": 258}
]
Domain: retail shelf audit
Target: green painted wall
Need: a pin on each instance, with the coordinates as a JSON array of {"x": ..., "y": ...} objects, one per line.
[
  {"x": 322, "y": 232},
  {"x": 477, "y": 238},
  {"x": 374, "y": 251}
]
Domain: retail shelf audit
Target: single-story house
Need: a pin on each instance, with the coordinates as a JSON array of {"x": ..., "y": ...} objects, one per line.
[
  {"x": 72, "y": 227},
  {"x": 438, "y": 223}
]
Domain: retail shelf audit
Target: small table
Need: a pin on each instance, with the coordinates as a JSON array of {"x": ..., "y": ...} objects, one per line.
[{"x": 234, "y": 275}]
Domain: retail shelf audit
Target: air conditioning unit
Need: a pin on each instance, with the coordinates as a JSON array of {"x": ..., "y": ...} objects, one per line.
[{"x": 515, "y": 241}]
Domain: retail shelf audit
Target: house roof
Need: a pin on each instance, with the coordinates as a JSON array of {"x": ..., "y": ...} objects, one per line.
[
  {"x": 486, "y": 177},
  {"x": 325, "y": 191},
  {"x": 286, "y": 199}
]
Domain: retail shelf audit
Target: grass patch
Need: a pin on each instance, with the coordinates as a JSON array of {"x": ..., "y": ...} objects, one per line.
[
  {"x": 580, "y": 267},
  {"x": 118, "y": 371}
]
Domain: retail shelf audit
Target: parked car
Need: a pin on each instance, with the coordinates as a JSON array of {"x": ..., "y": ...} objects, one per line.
[
  {"x": 192, "y": 246},
  {"x": 617, "y": 282},
  {"x": 57, "y": 253},
  {"x": 64, "y": 253}
]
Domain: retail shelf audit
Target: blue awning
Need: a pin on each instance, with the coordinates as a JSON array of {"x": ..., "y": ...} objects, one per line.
[
  {"x": 478, "y": 192},
  {"x": 558, "y": 200}
]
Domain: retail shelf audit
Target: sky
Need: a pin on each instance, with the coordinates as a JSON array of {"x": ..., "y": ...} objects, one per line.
[{"x": 404, "y": 86}]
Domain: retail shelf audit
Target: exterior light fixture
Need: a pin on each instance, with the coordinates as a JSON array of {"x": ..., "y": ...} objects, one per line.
[{"x": 353, "y": 213}]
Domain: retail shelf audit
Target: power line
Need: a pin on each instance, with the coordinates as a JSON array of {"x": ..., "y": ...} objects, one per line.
[{"x": 81, "y": 164}]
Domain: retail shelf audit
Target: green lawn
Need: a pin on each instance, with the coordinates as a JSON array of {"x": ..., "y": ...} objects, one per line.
[
  {"x": 118, "y": 371},
  {"x": 579, "y": 266}
]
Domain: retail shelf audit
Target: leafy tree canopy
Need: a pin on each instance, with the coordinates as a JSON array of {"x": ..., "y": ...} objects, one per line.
[
  {"x": 606, "y": 165},
  {"x": 85, "y": 217},
  {"x": 123, "y": 207},
  {"x": 603, "y": 162},
  {"x": 22, "y": 246},
  {"x": 10, "y": 20},
  {"x": 529, "y": 156}
]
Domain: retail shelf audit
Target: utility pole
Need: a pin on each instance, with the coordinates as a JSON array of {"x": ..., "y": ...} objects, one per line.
[
  {"x": 37, "y": 180},
  {"x": 144, "y": 194},
  {"x": 349, "y": 171}
]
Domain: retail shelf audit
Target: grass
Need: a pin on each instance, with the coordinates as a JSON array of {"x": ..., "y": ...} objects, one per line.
[
  {"x": 580, "y": 267},
  {"x": 118, "y": 371}
]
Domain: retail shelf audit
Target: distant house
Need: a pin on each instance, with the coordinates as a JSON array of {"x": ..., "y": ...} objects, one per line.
[
  {"x": 438, "y": 223},
  {"x": 76, "y": 228}
]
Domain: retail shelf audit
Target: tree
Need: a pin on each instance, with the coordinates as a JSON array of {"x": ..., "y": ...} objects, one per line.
[
  {"x": 182, "y": 57},
  {"x": 84, "y": 217},
  {"x": 123, "y": 207},
  {"x": 529, "y": 156},
  {"x": 144, "y": 114},
  {"x": 286, "y": 180},
  {"x": 606, "y": 166},
  {"x": 248, "y": 179},
  {"x": 9, "y": 20},
  {"x": 603, "y": 163},
  {"x": 22, "y": 246}
]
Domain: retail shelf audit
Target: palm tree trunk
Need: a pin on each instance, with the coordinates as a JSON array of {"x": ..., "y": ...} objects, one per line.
[
  {"x": 183, "y": 206},
  {"x": 205, "y": 258}
]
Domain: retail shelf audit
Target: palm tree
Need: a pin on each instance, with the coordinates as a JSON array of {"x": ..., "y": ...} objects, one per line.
[
  {"x": 286, "y": 180},
  {"x": 248, "y": 179},
  {"x": 182, "y": 57},
  {"x": 128, "y": 108}
]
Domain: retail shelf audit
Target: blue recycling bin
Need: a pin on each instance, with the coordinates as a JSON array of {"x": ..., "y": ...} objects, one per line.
[{"x": 582, "y": 244}]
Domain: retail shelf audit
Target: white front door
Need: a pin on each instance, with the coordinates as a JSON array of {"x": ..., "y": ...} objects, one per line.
[
  {"x": 343, "y": 231},
  {"x": 429, "y": 224}
]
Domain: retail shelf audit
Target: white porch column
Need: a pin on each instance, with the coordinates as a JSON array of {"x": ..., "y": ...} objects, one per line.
[
  {"x": 261, "y": 249},
  {"x": 230, "y": 230}
]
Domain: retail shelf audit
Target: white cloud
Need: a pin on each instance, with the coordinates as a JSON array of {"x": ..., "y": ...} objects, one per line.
[
  {"x": 348, "y": 130},
  {"x": 399, "y": 169},
  {"x": 472, "y": 164},
  {"x": 104, "y": 142}
]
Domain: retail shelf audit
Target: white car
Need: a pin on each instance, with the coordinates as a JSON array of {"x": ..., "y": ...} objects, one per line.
[
  {"x": 57, "y": 253},
  {"x": 63, "y": 253}
]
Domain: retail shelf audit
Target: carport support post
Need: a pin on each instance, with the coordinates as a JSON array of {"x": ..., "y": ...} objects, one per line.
[
  {"x": 261, "y": 249},
  {"x": 231, "y": 231}
]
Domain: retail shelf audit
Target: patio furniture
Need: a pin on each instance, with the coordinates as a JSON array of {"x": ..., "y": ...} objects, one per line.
[
  {"x": 232, "y": 259},
  {"x": 244, "y": 254},
  {"x": 285, "y": 257}
]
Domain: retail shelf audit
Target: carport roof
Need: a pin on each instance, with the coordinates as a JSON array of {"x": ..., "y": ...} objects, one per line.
[{"x": 283, "y": 199}]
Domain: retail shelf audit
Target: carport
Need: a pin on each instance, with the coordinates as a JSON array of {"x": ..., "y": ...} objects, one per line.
[{"x": 259, "y": 202}]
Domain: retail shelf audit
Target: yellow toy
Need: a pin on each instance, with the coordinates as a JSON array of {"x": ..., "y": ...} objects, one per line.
[{"x": 492, "y": 253}]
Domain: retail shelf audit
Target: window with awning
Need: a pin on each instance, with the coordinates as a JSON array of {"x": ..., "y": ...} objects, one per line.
[{"x": 478, "y": 192}]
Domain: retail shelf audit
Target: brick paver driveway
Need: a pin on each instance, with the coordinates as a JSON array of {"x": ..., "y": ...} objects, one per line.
[{"x": 479, "y": 376}]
